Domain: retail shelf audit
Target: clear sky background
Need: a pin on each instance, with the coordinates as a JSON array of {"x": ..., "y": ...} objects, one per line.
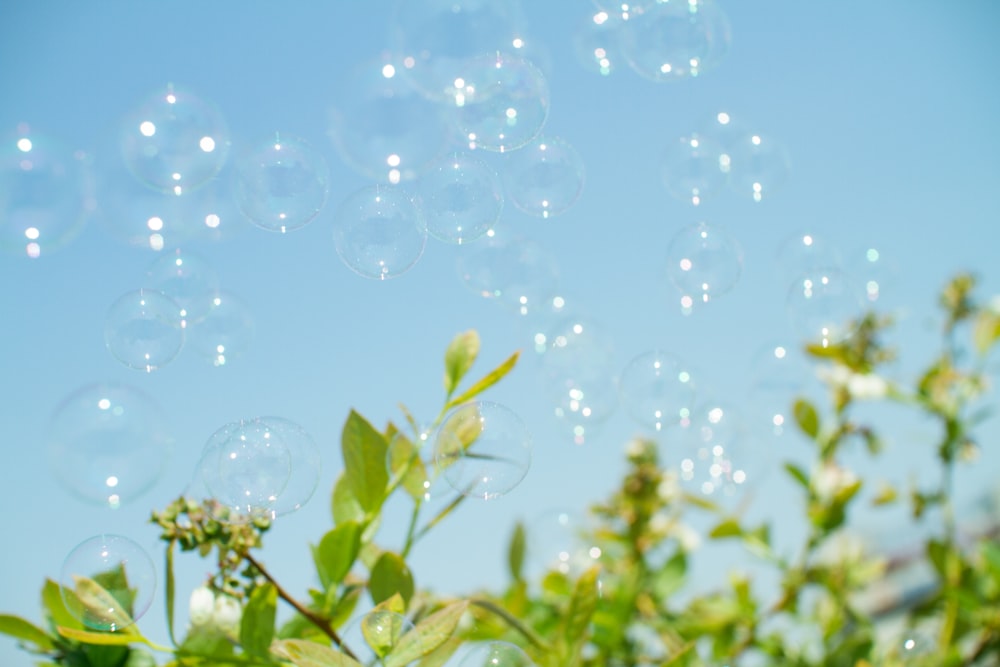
[{"x": 888, "y": 111}]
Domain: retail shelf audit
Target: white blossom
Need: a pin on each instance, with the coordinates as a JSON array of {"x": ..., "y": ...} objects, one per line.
[
  {"x": 226, "y": 616},
  {"x": 201, "y": 606},
  {"x": 830, "y": 479},
  {"x": 867, "y": 386}
]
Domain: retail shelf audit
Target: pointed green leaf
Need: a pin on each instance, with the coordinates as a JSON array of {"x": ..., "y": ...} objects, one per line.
[
  {"x": 99, "y": 607},
  {"x": 336, "y": 553},
  {"x": 440, "y": 656},
  {"x": 726, "y": 528},
  {"x": 581, "y": 609},
  {"x": 405, "y": 462},
  {"x": 344, "y": 505},
  {"x": 108, "y": 638},
  {"x": 669, "y": 578},
  {"x": 390, "y": 575},
  {"x": 798, "y": 475},
  {"x": 515, "y": 554},
  {"x": 458, "y": 359},
  {"x": 170, "y": 591},
  {"x": 364, "y": 452},
  {"x": 806, "y": 417},
  {"x": 302, "y": 653},
  {"x": 486, "y": 382},
  {"x": 383, "y": 630},
  {"x": 985, "y": 331},
  {"x": 55, "y": 607},
  {"x": 886, "y": 495},
  {"x": 18, "y": 628},
  {"x": 426, "y": 636},
  {"x": 257, "y": 623},
  {"x": 394, "y": 603}
]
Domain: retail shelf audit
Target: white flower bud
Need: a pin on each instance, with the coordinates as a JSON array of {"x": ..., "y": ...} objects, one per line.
[
  {"x": 867, "y": 387},
  {"x": 227, "y": 614},
  {"x": 201, "y": 606},
  {"x": 830, "y": 479}
]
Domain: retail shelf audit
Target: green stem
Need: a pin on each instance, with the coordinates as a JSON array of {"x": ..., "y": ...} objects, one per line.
[{"x": 513, "y": 622}]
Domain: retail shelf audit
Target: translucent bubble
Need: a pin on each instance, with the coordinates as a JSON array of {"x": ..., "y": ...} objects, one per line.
[
  {"x": 437, "y": 39},
  {"x": 264, "y": 465},
  {"x": 188, "y": 279},
  {"x": 502, "y": 104},
  {"x": 876, "y": 271},
  {"x": 714, "y": 464},
  {"x": 657, "y": 390},
  {"x": 823, "y": 306},
  {"x": 483, "y": 449},
  {"x": 144, "y": 329},
  {"x": 108, "y": 443},
  {"x": 379, "y": 233},
  {"x": 557, "y": 542},
  {"x": 802, "y": 252},
  {"x": 107, "y": 582},
  {"x": 704, "y": 261},
  {"x": 777, "y": 373},
  {"x": 596, "y": 42},
  {"x": 404, "y": 461},
  {"x": 671, "y": 40},
  {"x": 174, "y": 141},
  {"x": 282, "y": 183},
  {"x": 226, "y": 332},
  {"x": 46, "y": 193},
  {"x": 382, "y": 127},
  {"x": 691, "y": 168},
  {"x": 541, "y": 320},
  {"x": 516, "y": 272},
  {"x": 373, "y": 636},
  {"x": 495, "y": 654},
  {"x": 461, "y": 198},
  {"x": 758, "y": 165},
  {"x": 576, "y": 342},
  {"x": 545, "y": 178}
]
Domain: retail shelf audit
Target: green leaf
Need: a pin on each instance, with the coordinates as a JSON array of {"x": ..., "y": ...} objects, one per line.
[
  {"x": 383, "y": 630},
  {"x": 440, "y": 656},
  {"x": 99, "y": 607},
  {"x": 257, "y": 623},
  {"x": 302, "y": 653},
  {"x": 336, "y": 553},
  {"x": 886, "y": 495},
  {"x": 52, "y": 601},
  {"x": 985, "y": 331},
  {"x": 404, "y": 461},
  {"x": 390, "y": 575},
  {"x": 515, "y": 554},
  {"x": 18, "y": 628},
  {"x": 344, "y": 505},
  {"x": 798, "y": 474},
  {"x": 107, "y": 638},
  {"x": 669, "y": 579},
  {"x": 170, "y": 591},
  {"x": 485, "y": 383},
  {"x": 427, "y": 635},
  {"x": 364, "y": 452},
  {"x": 726, "y": 528},
  {"x": 806, "y": 417},
  {"x": 394, "y": 603},
  {"x": 582, "y": 605},
  {"x": 458, "y": 359}
]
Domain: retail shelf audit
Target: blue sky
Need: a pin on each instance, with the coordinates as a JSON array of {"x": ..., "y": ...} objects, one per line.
[{"x": 888, "y": 111}]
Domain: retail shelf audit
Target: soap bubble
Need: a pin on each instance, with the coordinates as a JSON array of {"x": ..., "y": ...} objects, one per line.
[
  {"x": 757, "y": 165},
  {"x": 691, "y": 168},
  {"x": 461, "y": 198},
  {"x": 495, "y": 653},
  {"x": 714, "y": 463},
  {"x": 175, "y": 141},
  {"x": 704, "y": 261},
  {"x": 107, "y": 582},
  {"x": 374, "y": 635},
  {"x": 657, "y": 390},
  {"x": 502, "y": 103},
  {"x": 144, "y": 329},
  {"x": 260, "y": 466},
  {"x": 777, "y": 373},
  {"x": 802, "y": 252},
  {"x": 823, "y": 306},
  {"x": 437, "y": 39},
  {"x": 556, "y": 542},
  {"x": 545, "y": 178},
  {"x": 188, "y": 279},
  {"x": 671, "y": 40},
  {"x": 483, "y": 449},
  {"x": 516, "y": 272},
  {"x": 282, "y": 184},
  {"x": 379, "y": 233},
  {"x": 875, "y": 270},
  {"x": 382, "y": 127},
  {"x": 403, "y": 460},
  {"x": 45, "y": 193},
  {"x": 225, "y": 332},
  {"x": 596, "y": 42},
  {"x": 108, "y": 443}
]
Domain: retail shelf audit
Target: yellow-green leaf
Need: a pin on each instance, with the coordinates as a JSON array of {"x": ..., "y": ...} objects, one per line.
[
  {"x": 336, "y": 552},
  {"x": 458, "y": 359},
  {"x": 257, "y": 623},
  {"x": 390, "y": 575},
  {"x": 428, "y": 635},
  {"x": 303, "y": 653},
  {"x": 364, "y": 452},
  {"x": 19, "y": 628},
  {"x": 515, "y": 554},
  {"x": 806, "y": 417},
  {"x": 726, "y": 528},
  {"x": 486, "y": 382},
  {"x": 98, "y": 607}
]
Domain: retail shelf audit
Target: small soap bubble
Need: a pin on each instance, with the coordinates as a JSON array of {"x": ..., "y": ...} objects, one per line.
[
  {"x": 108, "y": 443},
  {"x": 802, "y": 252},
  {"x": 495, "y": 654},
  {"x": 107, "y": 582},
  {"x": 657, "y": 391},
  {"x": 823, "y": 306},
  {"x": 876, "y": 271},
  {"x": 378, "y": 232},
  {"x": 557, "y": 542},
  {"x": 757, "y": 165},
  {"x": 483, "y": 449},
  {"x": 404, "y": 461},
  {"x": 282, "y": 184},
  {"x": 188, "y": 278},
  {"x": 704, "y": 261},
  {"x": 515, "y": 272},
  {"x": 144, "y": 329},
  {"x": 225, "y": 333},
  {"x": 373, "y": 635},
  {"x": 691, "y": 168},
  {"x": 436, "y": 39},
  {"x": 545, "y": 178},
  {"x": 175, "y": 141},
  {"x": 46, "y": 193},
  {"x": 502, "y": 104},
  {"x": 596, "y": 42},
  {"x": 461, "y": 198},
  {"x": 777, "y": 372},
  {"x": 714, "y": 464},
  {"x": 382, "y": 127},
  {"x": 670, "y": 40}
]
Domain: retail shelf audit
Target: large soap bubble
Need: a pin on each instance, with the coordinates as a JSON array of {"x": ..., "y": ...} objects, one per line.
[
  {"x": 108, "y": 443},
  {"x": 716, "y": 461},
  {"x": 704, "y": 261},
  {"x": 557, "y": 542},
  {"x": 45, "y": 193},
  {"x": 755, "y": 164},
  {"x": 144, "y": 329},
  {"x": 461, "y": 198},
  {"x": 657, "y": 390},
  {"x": 225, "y": 332},
  {"x": 107, "y": 582},
  {"x": 188, "y": 278},
  {"x": 514, "y": 271},
  {"x": 378, "y": 232},
  {"x": 692, "y": 168},
  {"x": 175, "y": 141},
  {"x": 824, "y": 306},
  {"x": 669, "y": 40},
  {"x": 483, "y": 449},
  {"x": 802, "y": 252},
  {"x": 596, "y": 42},
  {"x": 545, "y": 178},
  {"x": 282, "y": 183}
]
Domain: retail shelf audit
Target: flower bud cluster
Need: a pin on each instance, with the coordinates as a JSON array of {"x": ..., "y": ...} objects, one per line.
[{"x": 208, "y": 610}]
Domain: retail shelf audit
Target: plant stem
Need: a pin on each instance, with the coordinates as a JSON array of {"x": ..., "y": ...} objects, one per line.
[
  {"x": 513, "y": 622},
  {"x": 320, "y": 622}
]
